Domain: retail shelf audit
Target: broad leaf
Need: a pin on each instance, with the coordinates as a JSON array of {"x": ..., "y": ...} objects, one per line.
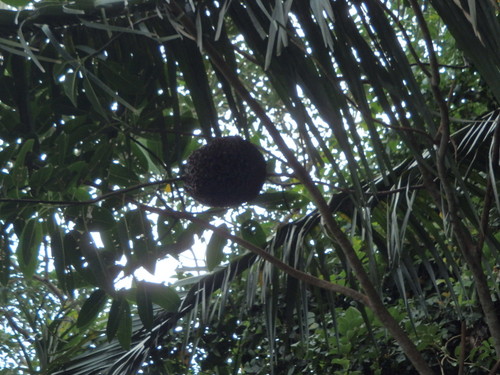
[
  {"x": 145, "y": 303},
  {"x": 91, "y": 308},
  {"x": 215, "y": 249},
  {"x": 28, "y": 247},
  {"x": 164, "y": 296},
  {"x": 120, "y": 322}
]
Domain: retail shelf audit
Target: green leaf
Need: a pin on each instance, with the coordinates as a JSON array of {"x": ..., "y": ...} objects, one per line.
[
  {"x": 136, "y": 227},
  {"x": 141, "y": 158},
  {"x": 118, "y": 75},
  {"x": 124, "y": 334},
  {"x": 41, "y": 176},
  {"x": 145, "y": 252},
  {"x": 120, "y": 175},
  {"x": 69, "y": 85},
  {"x": 78, "y": 169},
  {"x": 252, "y": 231},
  {"x": 93, "y": 99},
  {"x": 17, "y": 3},
  {"x": 114, "y": 317},
  {"x": 99, "y": 163},
  {"x": 100, "y": 269},
  {"x": 155, "y": 148},
  {"x": 283, "y": 200},
  {"x": 119, "y": 322},
  {"x": 215, "y": 247},
  {"x": 145, "y": 304},
  {"x": 61, "y": 261},
  {"x": 183, "y": 239},
  {"x": 100, "y": 219},
  {"x": 164, "y": 296},
  {"x": 137, "y": 223},
  {"x": 79, "y": 193},
  {"x": 19, "y": 178},
  {"x": 191, "y": 64},
  {"x": 29, "y": 243},
  {"x": 91, "y": 308},
  {"x": 168, "y": 229},
  {"x": 21, "y": 155}
]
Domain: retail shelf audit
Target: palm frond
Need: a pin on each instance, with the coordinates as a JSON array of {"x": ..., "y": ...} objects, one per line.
[
  {"x": 111, "y": 358},
  {"x": 290, "y": 241},
  {"x": 476, "y": 31}
]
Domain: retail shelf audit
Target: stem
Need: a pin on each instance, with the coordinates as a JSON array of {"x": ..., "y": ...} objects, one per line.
[{"x": 461, "y": 360}]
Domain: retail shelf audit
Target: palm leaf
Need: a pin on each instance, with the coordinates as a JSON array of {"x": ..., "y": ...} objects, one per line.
[
  {"x": 111, "y": 358},
  {"x": 290, "y": 242},
  {"x": 477, "y": 34}
]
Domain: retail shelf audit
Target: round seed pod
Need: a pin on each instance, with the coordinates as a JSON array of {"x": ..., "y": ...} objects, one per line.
[{"x": 227, "y": 172}]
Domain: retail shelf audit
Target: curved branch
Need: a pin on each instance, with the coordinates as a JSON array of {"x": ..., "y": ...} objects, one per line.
[
  {"x": 300, "y": 275},
  {"x": 9, "y": 315}
]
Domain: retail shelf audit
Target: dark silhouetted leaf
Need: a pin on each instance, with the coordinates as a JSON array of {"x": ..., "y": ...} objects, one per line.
[
  {"x": 145, "y": 304},
  {"x": 91, "y": 308},
  {"x": 119, "y": 322},
  {"x": 285, "y": 200}
]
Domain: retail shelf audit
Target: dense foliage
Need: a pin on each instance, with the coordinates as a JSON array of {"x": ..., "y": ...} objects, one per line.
[{"x": 373, "y": 247}]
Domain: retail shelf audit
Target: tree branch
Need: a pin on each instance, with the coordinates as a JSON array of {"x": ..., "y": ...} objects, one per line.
[
  {"x": 54, "y": 289},
  {"x": 9, "y": 315},
  {"x": 300, "y": 275},
  {"x": 89, "y": 201}
]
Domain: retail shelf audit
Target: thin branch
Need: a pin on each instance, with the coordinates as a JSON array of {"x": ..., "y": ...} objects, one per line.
[
  {"x": 300, "y": 275},
  {"x": 102, "y": 197},
  {"x": 380, "y": 193},
  {"x": 54, "y": 289},
  {"x": 9, "y": 315},
  {"x": 458, "y": 67},
  {"x": 405, "y": 129}
]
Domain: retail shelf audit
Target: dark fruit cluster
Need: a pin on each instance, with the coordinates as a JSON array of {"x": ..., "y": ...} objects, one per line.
[{"x": 227, "y": 172}]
